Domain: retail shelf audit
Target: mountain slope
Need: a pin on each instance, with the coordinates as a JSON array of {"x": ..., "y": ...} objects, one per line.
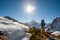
[
  {"x": 54, "y": 26},
  {"x": 13, "y": 29}
]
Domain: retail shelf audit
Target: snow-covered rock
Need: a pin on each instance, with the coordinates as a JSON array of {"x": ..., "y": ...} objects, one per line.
[
  {"x": 12, "y": 28},
  {"x": 56, "y": 33},
  {"x": 54, "y": 26}
]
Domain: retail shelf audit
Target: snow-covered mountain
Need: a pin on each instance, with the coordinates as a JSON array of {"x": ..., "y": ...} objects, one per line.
[
  {"x": 33, "y": 23},
  {"x": 54, "y": 26},
  {"x": 13, "y": 29}
]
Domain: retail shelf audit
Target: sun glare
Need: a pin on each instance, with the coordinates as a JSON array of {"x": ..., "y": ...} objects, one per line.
[{"x": 30, "y": 8}]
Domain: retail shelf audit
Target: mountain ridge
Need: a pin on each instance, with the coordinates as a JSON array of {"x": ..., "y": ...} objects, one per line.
[
  {"x": 55, "y": 25},
  {"x": 33, "y": 23}
]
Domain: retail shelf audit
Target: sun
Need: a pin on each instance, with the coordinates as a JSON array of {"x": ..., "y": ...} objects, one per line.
[{"x": 29, "y": 8}]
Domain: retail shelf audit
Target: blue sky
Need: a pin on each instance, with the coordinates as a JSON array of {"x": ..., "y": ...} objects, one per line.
[{"x": 44, "y": 9}]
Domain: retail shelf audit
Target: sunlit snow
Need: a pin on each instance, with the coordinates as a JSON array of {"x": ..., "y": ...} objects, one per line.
[{"x": 14, "y": 30}]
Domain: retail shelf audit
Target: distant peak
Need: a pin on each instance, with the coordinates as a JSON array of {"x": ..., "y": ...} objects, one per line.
[
  {"x": 56, "y": 19},
  {"x": 10, "y": 18},
  {"x": 7, "y": 17},
  {"x": 33, "y": 21}
]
